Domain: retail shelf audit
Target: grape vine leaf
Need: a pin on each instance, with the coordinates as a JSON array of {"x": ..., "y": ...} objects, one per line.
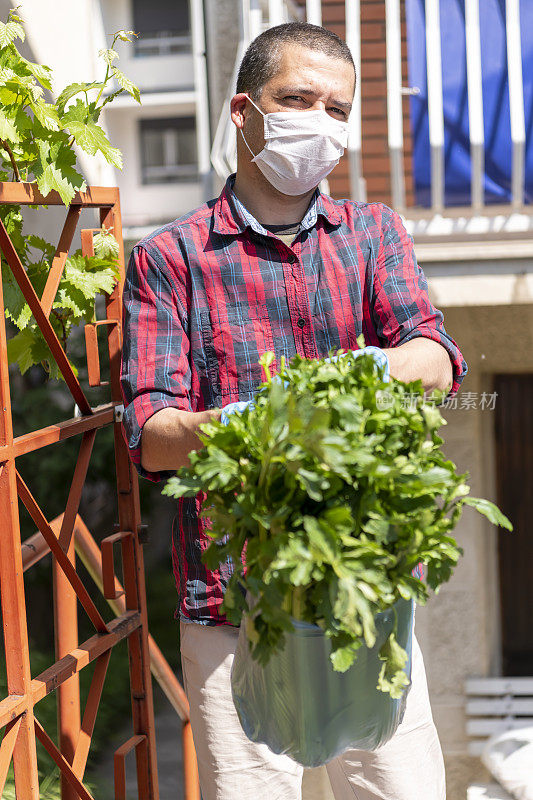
[
  {"x": 11, "y": 30},
  {"x": 72, "y": 90},
  {"x": 89, "y": 136},
  {"x": 127, "y": 85},
  {"x": 8, "y": 128}
]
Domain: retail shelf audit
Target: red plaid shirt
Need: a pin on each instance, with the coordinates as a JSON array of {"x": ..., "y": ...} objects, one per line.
[{"x": 207, "y": 294}]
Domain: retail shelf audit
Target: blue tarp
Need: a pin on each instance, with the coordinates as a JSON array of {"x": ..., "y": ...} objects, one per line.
[{"x": 498, "y": 146}]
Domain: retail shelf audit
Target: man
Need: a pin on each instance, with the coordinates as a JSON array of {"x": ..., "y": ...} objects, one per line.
[{"x": 273, "y": 264}]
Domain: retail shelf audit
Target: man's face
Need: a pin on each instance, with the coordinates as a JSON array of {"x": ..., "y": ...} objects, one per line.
[{"x": 306, "y": 80}]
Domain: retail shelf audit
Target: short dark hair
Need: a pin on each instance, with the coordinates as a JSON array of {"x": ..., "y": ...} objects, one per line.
[{"x": 262, "y": 58}]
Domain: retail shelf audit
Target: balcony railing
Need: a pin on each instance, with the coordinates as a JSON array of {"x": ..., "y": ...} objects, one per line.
[{"x": 162, "y": 44}]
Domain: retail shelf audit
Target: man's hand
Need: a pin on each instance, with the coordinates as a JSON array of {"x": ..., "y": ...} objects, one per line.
[
  {"x": 231, "y": 408},
  {"x": 421, "y": 358},
  {"x": 169, "y": 436},
  {"x": 379, "y": 355}
]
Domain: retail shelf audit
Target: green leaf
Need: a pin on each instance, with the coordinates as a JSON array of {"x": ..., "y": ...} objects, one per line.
[
  {"x": 46, "y": 114},
  {"x": 108, "y": 56},
  {"x": 15, "y": 305},
  {"x": 343, "y": 657},
  {"x": 126, "y": 36},
  {"x": 9, "y": 31},
  {"x": 8, "y": 128},
  {"x": 181, "y": 487},
  {"x": 432, "y": 416},
  {"x": 105, "y": 245},
  {"x": 52, "y": 179},
  {"x": 126, "y": 84},
  {"x": 80, "y": 307},
  {"x": 41, "y": 244},
  {"x": 39, "y": 71},
  {"x": 489, "y": 510},
  {"x": 73, "y": 89},
  {"x": 89, "y": 136},
  {"x": 89, "y": 281},
  {"x": 392, "y": 677},
  {"x": 28, "y": 348}
]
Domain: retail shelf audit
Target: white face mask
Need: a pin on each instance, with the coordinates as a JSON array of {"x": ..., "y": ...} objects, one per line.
[{"x": 301, "y": 148}]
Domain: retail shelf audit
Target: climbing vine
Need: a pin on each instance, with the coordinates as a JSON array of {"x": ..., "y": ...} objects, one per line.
[{"x": 38, "y": 137}]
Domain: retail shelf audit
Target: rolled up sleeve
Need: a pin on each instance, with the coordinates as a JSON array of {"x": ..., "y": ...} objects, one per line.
[
  {"x": 401, "y": 306},
  {"x": 155, "y": 369}
]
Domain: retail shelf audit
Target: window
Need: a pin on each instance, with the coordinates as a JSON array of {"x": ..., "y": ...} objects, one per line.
[
  {"x": 168, "y": 150},
  {"x": 163, "y": 27}
]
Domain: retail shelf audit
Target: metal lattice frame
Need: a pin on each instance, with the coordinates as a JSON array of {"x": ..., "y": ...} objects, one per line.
[{"x": 64, "y": 537}]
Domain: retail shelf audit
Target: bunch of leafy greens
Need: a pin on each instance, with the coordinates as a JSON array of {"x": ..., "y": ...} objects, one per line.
[
  {"x": 37, "y": 141},
  {"x": 330, "y": 490}
]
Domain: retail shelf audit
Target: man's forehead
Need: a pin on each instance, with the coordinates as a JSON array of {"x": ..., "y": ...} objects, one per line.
[{"x": 313, "y": 71}]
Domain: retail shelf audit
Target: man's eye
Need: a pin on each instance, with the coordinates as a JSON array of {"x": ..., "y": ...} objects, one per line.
[
  {"x": 338, "y": 111},
  {"x": 292, "y": 97}
]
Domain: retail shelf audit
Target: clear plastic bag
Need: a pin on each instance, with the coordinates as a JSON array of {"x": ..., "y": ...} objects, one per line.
[{"x": 298, "y": 705}]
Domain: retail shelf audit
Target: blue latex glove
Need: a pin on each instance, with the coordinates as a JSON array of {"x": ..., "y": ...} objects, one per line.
[
  {"x": 277, "y": 379},
  {"x": 232, "y": 408},
  {"x": 380, "y": 358}
]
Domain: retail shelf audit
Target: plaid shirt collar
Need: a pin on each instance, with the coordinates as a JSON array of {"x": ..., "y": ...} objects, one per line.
[{"x": 231, "y": 217}]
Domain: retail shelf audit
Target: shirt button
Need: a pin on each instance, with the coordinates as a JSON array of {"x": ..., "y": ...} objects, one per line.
[
  {"x": 301, "y": 322},
  {"x": 291, "y": 258}
]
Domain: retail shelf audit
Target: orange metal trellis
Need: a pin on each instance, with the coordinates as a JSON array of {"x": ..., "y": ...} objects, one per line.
[{"x": 67, "y": 536}]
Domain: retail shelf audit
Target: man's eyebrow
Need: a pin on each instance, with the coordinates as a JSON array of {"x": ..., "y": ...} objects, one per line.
[{"x": 295, "y": 90}]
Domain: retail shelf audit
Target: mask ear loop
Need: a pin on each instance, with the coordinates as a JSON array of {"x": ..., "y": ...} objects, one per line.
[
  {"x": 255, "y": 105},
  {"x": 246, "y": 143},
  {"x": 242, "y": 134}
]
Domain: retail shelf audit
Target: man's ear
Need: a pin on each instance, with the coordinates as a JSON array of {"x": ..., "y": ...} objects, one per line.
[{"x": 238, "y": 106}]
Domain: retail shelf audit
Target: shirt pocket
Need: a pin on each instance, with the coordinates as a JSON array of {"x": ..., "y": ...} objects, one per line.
[{"x": 233, "y": 346}]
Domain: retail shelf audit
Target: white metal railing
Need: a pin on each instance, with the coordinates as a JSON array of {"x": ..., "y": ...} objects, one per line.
[
  {"x": 475, "y": 100},
  {"x": 435, "y": 103},
  {"x": 353, "y": 40},
  {"x": 394, "y": 100},
  {"x": 162, "y": 45},
  {"x": 313, "y": 10},
  {"x": 257, "y": 15},
  {"x": 516, "y": 98}
]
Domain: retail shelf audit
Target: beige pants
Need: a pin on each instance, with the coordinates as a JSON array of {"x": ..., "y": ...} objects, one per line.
[{"x": 408, "y": 767}]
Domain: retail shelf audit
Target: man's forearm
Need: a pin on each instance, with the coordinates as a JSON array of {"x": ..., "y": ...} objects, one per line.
[
  {"x": 169, "y": 436},
  {"x": 421, "y": 358}
]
